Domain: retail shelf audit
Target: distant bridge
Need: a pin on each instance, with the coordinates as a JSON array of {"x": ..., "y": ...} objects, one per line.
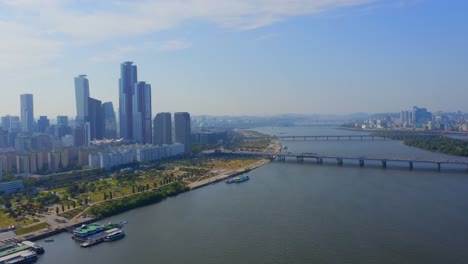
[{"x": 340, "y": 160}]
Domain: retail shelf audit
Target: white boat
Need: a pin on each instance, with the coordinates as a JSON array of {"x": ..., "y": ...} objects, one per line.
[{"x": 114, "y": 236}]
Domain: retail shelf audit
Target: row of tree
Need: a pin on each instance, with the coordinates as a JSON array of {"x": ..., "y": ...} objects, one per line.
[
  {"x": 114, "y": 207},
  {"x": 439, "y": 144}
]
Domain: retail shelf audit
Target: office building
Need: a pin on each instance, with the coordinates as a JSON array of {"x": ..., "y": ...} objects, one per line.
[
  {"x": 142, "y": 129},
  {"x": 27, "y": 113},
  {"x": 95, "y": 118},
  {"x": 128, "y": 78},
  {"x": 81, "y": 96},
  {"x": 182, "y": 130},
  {"x": 162, "y": 129},
  {"x": 62, "y": 121},
  {"x": 110, "y": 124},
  {"x": 43, "y": 124}
]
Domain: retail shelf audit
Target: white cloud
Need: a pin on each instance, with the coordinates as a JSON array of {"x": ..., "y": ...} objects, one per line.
[
  {"x": 122, "y": 52},
  {"x": 40, "y": 31}
]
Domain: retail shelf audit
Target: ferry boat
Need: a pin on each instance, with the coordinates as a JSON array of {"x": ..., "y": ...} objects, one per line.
[
  {"x": 241, "y": 179},
  {"x": 85, "y": 231},
  {"x": 115, "y": 236},
  {"x": 35, "y": 247},
  {"x": 98, "y": 238},
  {"x": 21, "y": 257},
  {"x": 229, "y": 180}
]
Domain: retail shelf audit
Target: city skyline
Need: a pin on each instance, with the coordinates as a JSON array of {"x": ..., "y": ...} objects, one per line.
[{"x": 297, "y": 56}]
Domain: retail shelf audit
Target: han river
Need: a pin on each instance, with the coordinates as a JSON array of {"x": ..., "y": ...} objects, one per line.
[{"x": 304, "y": 213}]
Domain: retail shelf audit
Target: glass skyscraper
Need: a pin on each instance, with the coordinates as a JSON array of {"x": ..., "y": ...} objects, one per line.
[
  {"x": 82, "y": 95},
  {"x": 110, "y": 124},
  {"x": 183, "y": 133},
  {"x": 162, "y": 129},
  {"x": 27, "y": 112},
  {"x": 142, "y": 130},
  {"x": 127, "y": 81}
]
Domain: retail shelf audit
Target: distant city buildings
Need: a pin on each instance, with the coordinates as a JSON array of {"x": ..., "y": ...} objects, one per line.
[
  {"x": 183, "y": 130},
  {"x": 162, "y": 129},
  {"x": 27, "y": 113}
]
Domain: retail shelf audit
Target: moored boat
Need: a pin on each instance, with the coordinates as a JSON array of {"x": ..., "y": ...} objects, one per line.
[
  {"x": 229, "y": 180},
  {"x": 21, "y": 257},
  {"x": 115, "y": 236},
  {"x": 241, "y": 179}
]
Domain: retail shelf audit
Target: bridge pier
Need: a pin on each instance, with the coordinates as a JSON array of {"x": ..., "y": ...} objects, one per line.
[
  {"x": 319, "y": 160},
  {"x": 411, "y": 165},
  {"x": 361, "y": 138},
  {"x": 339, "y": 162},
  {"x": 361, "y": 163},
  {"x": 300, "y": 159},
  {"x": 349, "y": 138},
  {"x": 327, "y": 138},
  {"x": 438, "y": 166},
  {"x": 372, "y": 138},
  {"x": 384, "y": 164}
]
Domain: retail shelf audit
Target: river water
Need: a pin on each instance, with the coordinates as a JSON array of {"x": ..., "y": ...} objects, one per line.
[{"x": 299, "y": 213}]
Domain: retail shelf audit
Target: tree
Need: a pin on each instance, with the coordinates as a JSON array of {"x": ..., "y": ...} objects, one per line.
[
  {"x": 74, "y": 204},
  {"x": 147, "y": 186},
  {"x": 110, "y": 195},
  {"x": 105, "y": 196},
  {"x": 133, "y": 189},
  {"x": 8, "y": 205},
  {"x": 68, "y": 206},
  {"x": 63, "y": 208},
  {"x": 86, "y": 200},
  {"x": 56, "y": 210}
]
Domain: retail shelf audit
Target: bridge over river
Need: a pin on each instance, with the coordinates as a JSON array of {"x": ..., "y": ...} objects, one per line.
[
  {"x": 320, "y": 137},
  {"x": 360, "y": 160}
]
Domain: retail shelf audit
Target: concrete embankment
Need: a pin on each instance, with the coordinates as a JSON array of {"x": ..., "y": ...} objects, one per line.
[{"x": 227, "y": 174}]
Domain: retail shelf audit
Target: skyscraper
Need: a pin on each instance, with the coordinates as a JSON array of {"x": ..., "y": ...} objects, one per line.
[
  {"x": 128, "y": 78},
  {"x": 27, "y": 112},
  {"x": 183, "y": 131},
  {"x": 96, "y": 123},
  {"x": 81, "y": 95},
  {"x": 62, "y": 121},
  {"x": 110, "y": 124},
  {"x": 162, "y": 129},
  {"x": 142, "y": 130},
  {"x": 43, "y": 124}
]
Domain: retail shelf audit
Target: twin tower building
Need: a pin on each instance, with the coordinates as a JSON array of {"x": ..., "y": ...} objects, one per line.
[{"x": 135, "y": 114}]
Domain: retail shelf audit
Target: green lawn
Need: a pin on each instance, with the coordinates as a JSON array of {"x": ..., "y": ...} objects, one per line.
[{"x": 31, "y": 229}]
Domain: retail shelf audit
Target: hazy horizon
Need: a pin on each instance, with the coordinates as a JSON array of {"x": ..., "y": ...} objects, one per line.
[{"x": 256, "y": 58}]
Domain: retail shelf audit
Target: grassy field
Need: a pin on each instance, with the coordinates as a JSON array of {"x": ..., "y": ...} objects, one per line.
[
  {"x": 30, "y": 229},
  {"x": 72, "y": 213}
]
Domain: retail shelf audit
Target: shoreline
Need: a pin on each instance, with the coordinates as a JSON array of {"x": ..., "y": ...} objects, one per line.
[
  {"x": 78, "y": 221},
  {"x": 227, "y": 174}
]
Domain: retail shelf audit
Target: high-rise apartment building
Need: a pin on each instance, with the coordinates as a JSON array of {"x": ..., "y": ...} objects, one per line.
[
  {"x": 162, "y": 129},
  {"x": 183, "y": 130},
  {"x": 142, "y": 129},
  {"x": 110, "y": 124},
  {"x": 82, "y": 95},
  {"x": 27, "y": 112},
  {"x": 128, "y": 78}
]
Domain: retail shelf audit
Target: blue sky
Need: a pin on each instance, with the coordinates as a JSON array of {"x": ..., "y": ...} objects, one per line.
[{"x": 255, "y": 57}]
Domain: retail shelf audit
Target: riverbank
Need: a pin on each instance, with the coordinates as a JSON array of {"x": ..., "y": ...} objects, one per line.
[
  {"x": 78, "y": 220},
  {"x": 226, "y": 174}
]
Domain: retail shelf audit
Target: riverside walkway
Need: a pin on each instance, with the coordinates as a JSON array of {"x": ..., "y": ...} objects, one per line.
[{"x": 361, "y": 160}]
